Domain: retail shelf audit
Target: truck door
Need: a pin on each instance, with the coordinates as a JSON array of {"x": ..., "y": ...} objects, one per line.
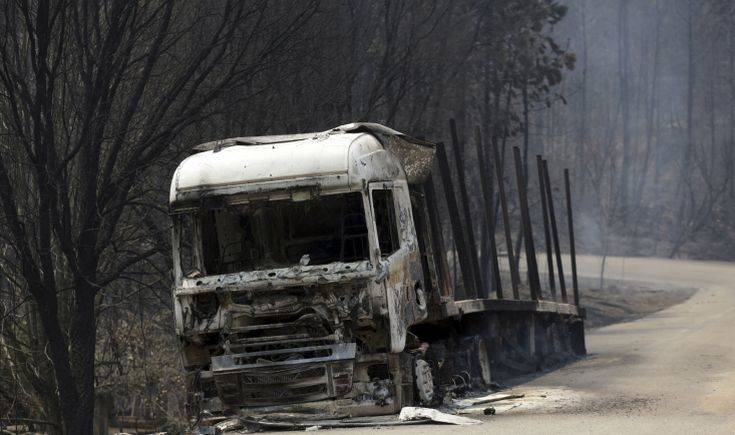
[{"x": 399, "y": 259}]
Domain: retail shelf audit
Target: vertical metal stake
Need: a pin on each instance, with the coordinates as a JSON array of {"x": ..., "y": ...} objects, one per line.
[
  {"x": 439, "y": 252},
  {"x": 554, "y": 232},
  {"x": 572, "y": 250},
  {"x": 514, "y": 277},
  {"x": 533, "y": 281},
  {"x": 487, "y": 193},
  {"x": 457, "y": 228},
  {"x": 547, "y": 236},
  {"x": 470, "y": 234}
]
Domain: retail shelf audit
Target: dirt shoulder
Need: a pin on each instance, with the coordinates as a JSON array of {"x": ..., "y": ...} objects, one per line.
[
  {"x": 627, "y": 293},
  {"x": 623, "y": 301}
]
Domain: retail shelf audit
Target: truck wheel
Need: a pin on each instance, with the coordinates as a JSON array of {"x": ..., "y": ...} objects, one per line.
[{"x": 424, "y": 381}]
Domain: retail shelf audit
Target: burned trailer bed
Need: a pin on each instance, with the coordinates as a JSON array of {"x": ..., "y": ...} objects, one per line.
[
  {"x": 311, "y": 275},
  {"x": 519, "y": 336}
]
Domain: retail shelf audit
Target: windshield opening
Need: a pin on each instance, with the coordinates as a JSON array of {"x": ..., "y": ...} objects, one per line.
[{"x": 276, "y": 234}]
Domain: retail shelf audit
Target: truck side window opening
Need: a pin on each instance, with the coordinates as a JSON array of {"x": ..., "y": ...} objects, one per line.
[
  {"x": 186, "y": 247},
  {"x": 273, "y": 234},
  {"x": 385, "y": 221}
]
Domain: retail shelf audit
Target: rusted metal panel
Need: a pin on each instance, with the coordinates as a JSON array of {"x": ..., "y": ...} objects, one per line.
[
  {"x": 492, "y": 305},
  {"x": 294, "y": 276},
  {"x": 401, "y": 272}
]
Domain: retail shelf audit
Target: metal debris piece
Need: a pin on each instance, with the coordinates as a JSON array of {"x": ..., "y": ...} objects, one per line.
[
  {"x": 424, "y": 381},
  {"x": 499, "y": 409},
  {"x": 229, "y": 424},
  {"x": 496, "y": 397},
  {"x": 411, "y": 413},
  {"x": 382, "y": 392},
  {"x": 329, "y": 424}
]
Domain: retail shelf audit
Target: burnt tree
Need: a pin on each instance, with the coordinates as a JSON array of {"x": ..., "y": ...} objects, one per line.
[{"x": 93, "y": 95}]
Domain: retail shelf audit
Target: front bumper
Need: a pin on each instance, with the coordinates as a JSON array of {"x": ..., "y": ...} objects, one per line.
[{"x": 284, "y": 376}]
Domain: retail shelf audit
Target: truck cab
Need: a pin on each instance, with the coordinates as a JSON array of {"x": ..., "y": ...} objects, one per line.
[{"x": 298, "y": 272}]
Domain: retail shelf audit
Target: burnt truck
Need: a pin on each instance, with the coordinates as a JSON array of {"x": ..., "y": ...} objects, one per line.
[{"x": 307, "y": 277}]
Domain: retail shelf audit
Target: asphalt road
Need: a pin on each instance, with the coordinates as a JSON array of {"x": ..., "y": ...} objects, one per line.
[{"x": 671, "y": 372}]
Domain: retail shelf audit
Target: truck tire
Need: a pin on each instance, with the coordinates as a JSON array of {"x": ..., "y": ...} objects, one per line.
[
  {"x": 424, "y": 382},
  {"x": 482, "y": 361}
]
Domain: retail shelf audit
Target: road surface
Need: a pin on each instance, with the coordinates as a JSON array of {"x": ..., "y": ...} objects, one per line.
[{"x": 671, "y": 372}]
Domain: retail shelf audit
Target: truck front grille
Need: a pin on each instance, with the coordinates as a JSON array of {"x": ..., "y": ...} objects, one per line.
[
  {"x": 284, "y": 376},
  {"x": 262, "y": 377}
]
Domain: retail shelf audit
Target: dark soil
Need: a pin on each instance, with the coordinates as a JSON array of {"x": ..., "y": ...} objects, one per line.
[{"x": 625, "y": 301}]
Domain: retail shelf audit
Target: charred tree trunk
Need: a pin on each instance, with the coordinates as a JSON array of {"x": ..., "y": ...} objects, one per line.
[{"x": 624, "y": 71}]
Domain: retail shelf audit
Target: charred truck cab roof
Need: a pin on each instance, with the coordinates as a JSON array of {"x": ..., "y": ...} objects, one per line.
[
  {"x": 297, "y": 268},
  {"x": 345, "y": 158}
]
